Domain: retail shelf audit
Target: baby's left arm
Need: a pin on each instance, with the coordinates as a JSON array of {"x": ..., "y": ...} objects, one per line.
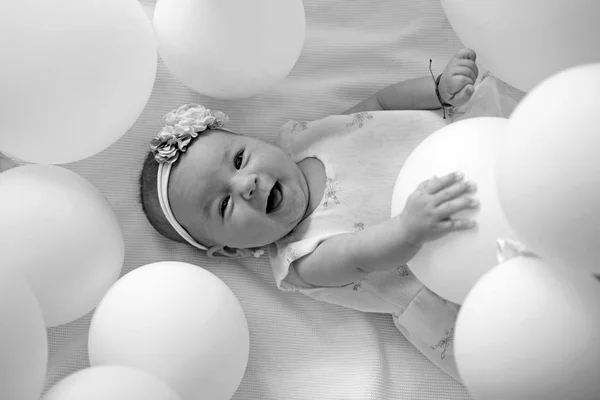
[{"x": 456, "y": 86}]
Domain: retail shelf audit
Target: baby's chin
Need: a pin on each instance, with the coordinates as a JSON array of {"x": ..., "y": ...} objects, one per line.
[{"x": 290, "y": 221}]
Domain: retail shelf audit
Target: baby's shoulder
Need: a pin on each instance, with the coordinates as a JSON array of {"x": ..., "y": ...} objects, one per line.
[
  {"x": 289, "y": 134},
  {"x": 297, "y": 136}
]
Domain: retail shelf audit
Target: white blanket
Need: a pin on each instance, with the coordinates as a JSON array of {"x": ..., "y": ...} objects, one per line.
[{"x": 300, "y": 348}]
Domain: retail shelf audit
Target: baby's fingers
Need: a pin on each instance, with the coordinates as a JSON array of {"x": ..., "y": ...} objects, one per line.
[
  {"x": 454, "y": 191},
  {"x": 449, "y": 208},
  {"x": 462, "y": 76},
  {"x": 464, "y": 95},
  {"x": 469, "y": 65},
  {"x": 436, "y": 184},
  {"x": 453, "y": 225},
  {"x": 466, "y": 54}
]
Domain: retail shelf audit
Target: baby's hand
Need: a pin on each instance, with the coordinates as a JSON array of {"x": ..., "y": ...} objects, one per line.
[
  {"x": 458, "y": 79},
  {"x": 428, "y": 211}
]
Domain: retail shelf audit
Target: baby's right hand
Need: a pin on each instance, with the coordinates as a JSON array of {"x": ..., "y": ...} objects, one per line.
[{"x": 428, "y": 210}]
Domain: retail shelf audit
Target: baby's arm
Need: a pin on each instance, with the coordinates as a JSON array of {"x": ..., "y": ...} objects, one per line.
[
  {"x": 456, "y": 87},
  {"x": 349, "y": 257},
  {"x": 413, "y": 94}
]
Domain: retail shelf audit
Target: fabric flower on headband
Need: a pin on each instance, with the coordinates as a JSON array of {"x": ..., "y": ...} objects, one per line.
[{"x": 180, "y": 127}]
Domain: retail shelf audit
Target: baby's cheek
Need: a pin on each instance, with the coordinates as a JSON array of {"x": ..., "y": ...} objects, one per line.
[
  {"x": 251, "y": 223},
  {"x": 243, "y": 223}
]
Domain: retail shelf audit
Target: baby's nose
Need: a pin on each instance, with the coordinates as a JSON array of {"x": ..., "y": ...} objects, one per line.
[{"x": 249, "y": 186}]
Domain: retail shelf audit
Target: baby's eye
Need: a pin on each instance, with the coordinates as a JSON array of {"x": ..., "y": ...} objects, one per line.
[
  {"x": 237, "y": 161},
  {"x": 223, "y": 207}
]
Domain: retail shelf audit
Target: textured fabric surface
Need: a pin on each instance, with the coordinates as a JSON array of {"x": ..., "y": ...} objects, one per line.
[{"x": 300, "y": 348}]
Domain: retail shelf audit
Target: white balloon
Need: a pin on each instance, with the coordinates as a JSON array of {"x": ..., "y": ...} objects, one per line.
[
  {"x": 548, "y": 169},
  {"x": 230, "y": 49},
  {"x": 451, "y": 265},
  {"x": 76, "y": 75},
  {"x": 520, "y": 41},
  {"x": 176, "y": 321},
  {"x": 529, "y": 331},
  {"x": 62, "y": 234},
  {"x": 23, "y": 340},
  {"x": 111, "y": 383}
]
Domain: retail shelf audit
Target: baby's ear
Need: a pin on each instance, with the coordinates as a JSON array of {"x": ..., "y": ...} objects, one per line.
[
  {"x": 222, "y": 251},
  {"x": 230, "y": 252}
]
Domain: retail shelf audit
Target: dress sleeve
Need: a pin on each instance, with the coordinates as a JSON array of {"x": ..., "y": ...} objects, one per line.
[
  {"x": 287, "y": 135},
  {"x": 295, "y": 137}
]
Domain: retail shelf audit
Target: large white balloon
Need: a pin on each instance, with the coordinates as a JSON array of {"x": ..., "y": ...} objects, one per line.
[
  {"x": 23, "y": 340},
  {"x": 548, "y": 171},
  {"x": 75, "y": 76},
  {"x": 62, "y": 234},
  {"x": 450, "y": 266},
  {"x": 178, "y": 322},
  {"x": 111, "y": 383},
  {"x": 529, "y": 331},
  {"x": 230, "y": 49},
  {"x": 525, "y": 41}
]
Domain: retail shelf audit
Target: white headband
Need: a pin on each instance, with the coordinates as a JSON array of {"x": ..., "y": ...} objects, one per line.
[
  {"x": 162, "y": 183},
  {"x": 180, "y": 127}
]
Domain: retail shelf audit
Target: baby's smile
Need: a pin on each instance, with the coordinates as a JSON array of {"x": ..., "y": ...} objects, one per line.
[{"x": 275, "y": 198}]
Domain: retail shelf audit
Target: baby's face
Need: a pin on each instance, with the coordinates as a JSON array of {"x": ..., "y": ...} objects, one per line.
[{"x": 236, "y": 191}]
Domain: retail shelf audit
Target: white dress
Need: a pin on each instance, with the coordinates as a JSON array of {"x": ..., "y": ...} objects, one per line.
[{"x": 363, "y": 154}]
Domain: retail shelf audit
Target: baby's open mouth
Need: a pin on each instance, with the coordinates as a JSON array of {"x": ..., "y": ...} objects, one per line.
[{"x": 275, "y": 197}]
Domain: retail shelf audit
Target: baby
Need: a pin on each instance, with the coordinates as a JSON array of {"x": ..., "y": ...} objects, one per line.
[{"x": 321, "y": 200}]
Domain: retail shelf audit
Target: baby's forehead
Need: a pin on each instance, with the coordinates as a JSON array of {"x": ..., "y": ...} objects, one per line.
[
  {"x": 217, "y": 140},
  {"x": 212, "y": 141},
  {"x": 202, "y": 160}
]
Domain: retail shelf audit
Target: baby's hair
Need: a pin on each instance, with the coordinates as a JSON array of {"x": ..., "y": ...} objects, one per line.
[{"x": 150, "y": 203}]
